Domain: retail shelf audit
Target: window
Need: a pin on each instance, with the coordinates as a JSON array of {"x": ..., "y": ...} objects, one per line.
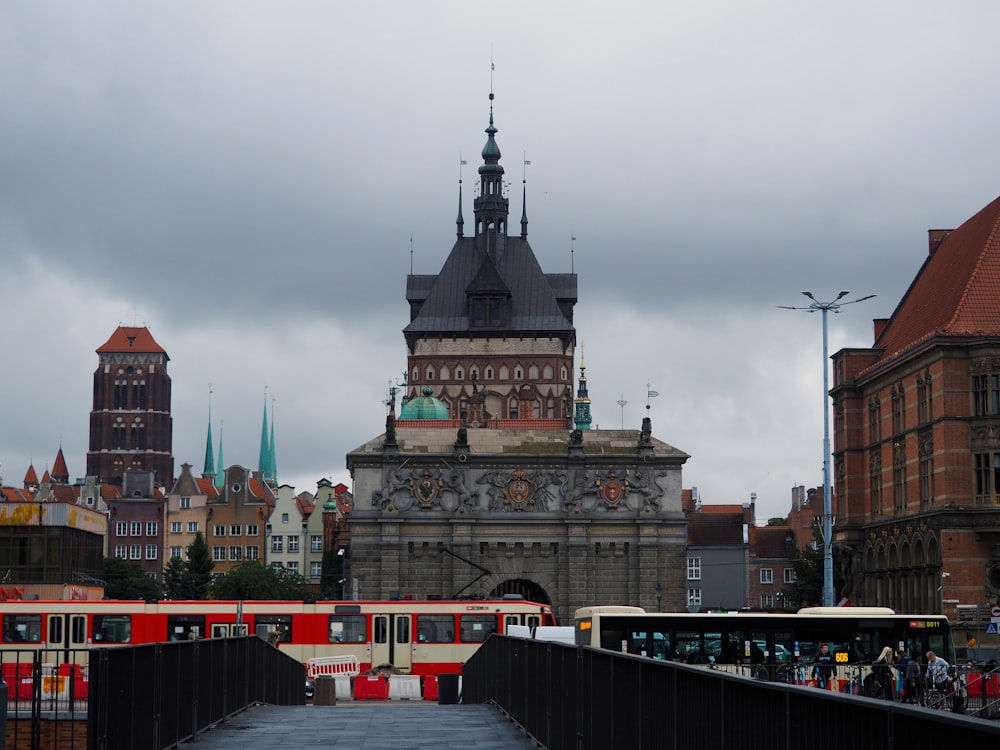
[
  {"x": 235, "y": 529},
  {"x": 185, "y": 503},
  {"x": 986, "y": 395},
  {"x": 875, "y": 480},
  {"x": 176, "y": 553},
  {"x": 121, "y": 551},
  {"x": 874, "y": 420},
  {"x": 175, "y": 527},
  {"x": 192, "y": 527},
  {"x": 987, "y": 468},
  {"x": 694, "y": 597},
  {"x": 253, "y": 552},
  {"x": 474, "y": 628},
  {"x": 790, "y": 575},
  {"x": 235, "y": 553},
  {"x": 152, "y": 528},
  {"x": 219, "y": 529},
  {"x": 135, "y": 552},
  {"x": 284, "y": 518},
  {"x": 458, "y": 373},
  {"x": 121, "y": 529},
  {"x": 766, "y": 575},
  {"x": 135, "y": 528},
  {"x": 112, "y": 628},
  {"x": 898, "y": 409},
  {"x": 315, "y": 569},
  {"x": 347, "y": 629},
  {"x": 293, "y": 543},
  {"x": 694, "y": 568},
  {"x": 766, "y": 601},
  {"x": 253, "y": 529},
  {"x": 438, "y": 628},
  {"x": 924, "y": 411},
  {"x": 26, "y": 628},
  {"x": 292, "y": 566},
  {"x": 151, "y": 552},
  {"x": 277, "y": 543},
  {"x": 218, "y": 553},
  {"x": 316, "y": 543},
  {"x": 899, "y": 475},
  {"x": 274, "y": 628}
]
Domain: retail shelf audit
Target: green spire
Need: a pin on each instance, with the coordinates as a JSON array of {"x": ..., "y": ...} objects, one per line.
[
  {"x": 220, "y": 471},
  {"x": 264, "y": 461},
  {"x": 209, "y": 455}
]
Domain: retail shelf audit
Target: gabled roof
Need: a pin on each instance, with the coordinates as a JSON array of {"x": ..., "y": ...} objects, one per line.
[
  {"x": 30, "y": 477},
  {"x": 131, "y": 339},
  {"x": 15, "y": 495},
  {"x": 534, "y": 301},
  {"x": 955, "y": 292},
  {"x": 59, "y": 468},
  {"x": 770, "y": 542}
]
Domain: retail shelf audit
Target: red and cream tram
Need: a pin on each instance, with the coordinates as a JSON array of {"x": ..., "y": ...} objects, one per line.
[{"x": 416, "y": 637}]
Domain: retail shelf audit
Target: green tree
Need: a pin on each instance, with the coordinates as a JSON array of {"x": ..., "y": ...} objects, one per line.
[
  {"x": 177, "y": 581},
  {"x": 252, "y": 580},
  {"x": 807, "y": 591},
  {"x": 199, "y": 567},
  {"x": 126, "y": 580},
  {"x": 777, "y": 521}
]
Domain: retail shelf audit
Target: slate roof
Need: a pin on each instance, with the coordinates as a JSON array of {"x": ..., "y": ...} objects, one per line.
[
  {"x": 771, "y": 542},
  {"x": 956, "y": 291},
  {"x": 534, "y": 295}
]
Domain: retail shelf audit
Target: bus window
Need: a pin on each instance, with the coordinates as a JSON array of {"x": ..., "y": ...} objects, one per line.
[
  {"x": 477, "y": 628},
  {"x": 273, "y": 628},
  {"x": 112, "y": 628},
  {"x": 438, "y": 628},
  {"x": 662, "y": 647},
  {"x": 690, "y": 646},
  {"x": 347, "y": 629},
  {"x": 18, "y": 628},
  {"x": 732, "y": 652},
  {"x": 784, "y": 647}
]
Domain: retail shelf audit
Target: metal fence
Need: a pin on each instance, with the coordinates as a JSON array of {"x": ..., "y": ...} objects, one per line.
[
  {"x": 149, "y": 696},
  {"x": 570, "y": 698}
]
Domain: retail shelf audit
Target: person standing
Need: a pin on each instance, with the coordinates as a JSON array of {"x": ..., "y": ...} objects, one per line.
[
  {"x": 882, "y": 671},
  {"x": 937, "y": 672},
  {"x": 912, "y": 684},
  {"x": 823, "y": 667}
]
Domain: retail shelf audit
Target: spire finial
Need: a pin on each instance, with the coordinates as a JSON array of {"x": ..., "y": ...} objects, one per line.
[
  {"x": 524, "y": 196},
  {"x": 460, "y": 223}
]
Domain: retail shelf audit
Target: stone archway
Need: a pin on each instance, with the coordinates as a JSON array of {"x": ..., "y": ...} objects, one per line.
[{"x": 530, "y": 590}]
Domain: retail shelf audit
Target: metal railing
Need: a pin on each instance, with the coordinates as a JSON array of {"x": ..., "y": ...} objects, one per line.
[
  {"x": 149, "y": 696},
  {"x": 570, "y": 698}
]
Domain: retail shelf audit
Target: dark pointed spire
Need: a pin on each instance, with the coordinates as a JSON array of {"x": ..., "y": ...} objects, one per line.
[
  {"x": 582, "y": 416},
  {"x": 491, "y": 206},
  {"x": 209, "y": 468},
  {"x": 460, "y": 223},
  {"x": 263, "y": 459},
  {"x": 524, "y": 209}
]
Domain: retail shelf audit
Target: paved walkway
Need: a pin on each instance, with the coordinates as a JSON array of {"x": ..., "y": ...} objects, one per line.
[{"x": 355, "y": 725}]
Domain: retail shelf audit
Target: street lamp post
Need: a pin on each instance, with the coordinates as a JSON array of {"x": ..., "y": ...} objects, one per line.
[{"x": 825, "y": 307}]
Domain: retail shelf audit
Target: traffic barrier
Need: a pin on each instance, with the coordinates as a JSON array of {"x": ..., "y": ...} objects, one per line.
[
  {"x": 320, "y": 666},
  {"x": 404, "y": 687},
  {"x": 19, "y": 681},
  {"x": 342, "y": 683},
  {"x": 371, "y": 688},
  {"x": 81, "y": 684},
  {"x": 431, "y": 687}
]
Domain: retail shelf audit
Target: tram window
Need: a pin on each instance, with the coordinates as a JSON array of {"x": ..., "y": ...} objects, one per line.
[
  {"x": 55, "y": 630},
  {"x": 112, "y": 628},
  {"x": 78, "y": 628},
  {"x": 21, "y": 628},
  {"x": 477, "y": 628},
  {"x": 439, "y": 628},
  {"x": 274, "y": 628},
  {"x": 380, "y": 629},
  {"x": 403, "y": 630},
  {"x": 347, "y": 629},
  {"x": 185, "y": 627},
  {"x": 533, "y": 621},
  {"x": 510, "y": 620}
]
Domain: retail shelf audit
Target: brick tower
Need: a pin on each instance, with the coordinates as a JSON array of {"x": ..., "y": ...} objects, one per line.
[{"x": 130, "y": 424}]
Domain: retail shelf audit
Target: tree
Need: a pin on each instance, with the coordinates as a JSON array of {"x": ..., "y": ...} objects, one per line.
[
  {"x": 331, "y": 581},
  {"x": 252, "y": 580},
  {"x": 777, "y": 521},
  {"x": 199, "y": 567},
  {"x": 808, "y": 565},
  {"x": 177, "y": 581},
  {"x": 125, "y": 580}
]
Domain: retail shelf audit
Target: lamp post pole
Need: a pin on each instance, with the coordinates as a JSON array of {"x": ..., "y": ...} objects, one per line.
[{"x": 827, "y": 530}]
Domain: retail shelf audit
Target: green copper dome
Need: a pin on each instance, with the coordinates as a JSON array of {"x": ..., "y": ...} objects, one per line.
[{"x": 425, "y": 407}]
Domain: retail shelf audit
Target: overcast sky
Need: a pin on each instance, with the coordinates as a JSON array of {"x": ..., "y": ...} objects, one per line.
[{"x": 249, "y": 179}]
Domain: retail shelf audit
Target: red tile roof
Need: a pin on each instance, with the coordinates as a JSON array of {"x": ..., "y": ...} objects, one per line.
[
  {"x": 956, "y": 290},
  {"x": 15, "y": 495},
  {"x": 130, "y": 339},
  {"x": 30, "y": 477},
  {"x": 59, "y": 469},
  {"x": 206, "y": 487}
]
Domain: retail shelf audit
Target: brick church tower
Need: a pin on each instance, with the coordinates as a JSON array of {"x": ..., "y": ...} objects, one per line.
[{"x": 130, "y": 424}]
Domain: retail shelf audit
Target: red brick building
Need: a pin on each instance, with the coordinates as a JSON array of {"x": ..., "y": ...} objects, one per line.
[{"x": 917, "y": 435}]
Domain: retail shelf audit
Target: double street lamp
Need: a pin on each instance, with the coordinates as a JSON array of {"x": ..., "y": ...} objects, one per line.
[{"x": 827, "y": 529}]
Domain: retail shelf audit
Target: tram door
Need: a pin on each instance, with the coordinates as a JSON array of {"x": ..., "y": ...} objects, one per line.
[
  {"x": 391, "y": 640},
  {"x": 66, "y": 631}
]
